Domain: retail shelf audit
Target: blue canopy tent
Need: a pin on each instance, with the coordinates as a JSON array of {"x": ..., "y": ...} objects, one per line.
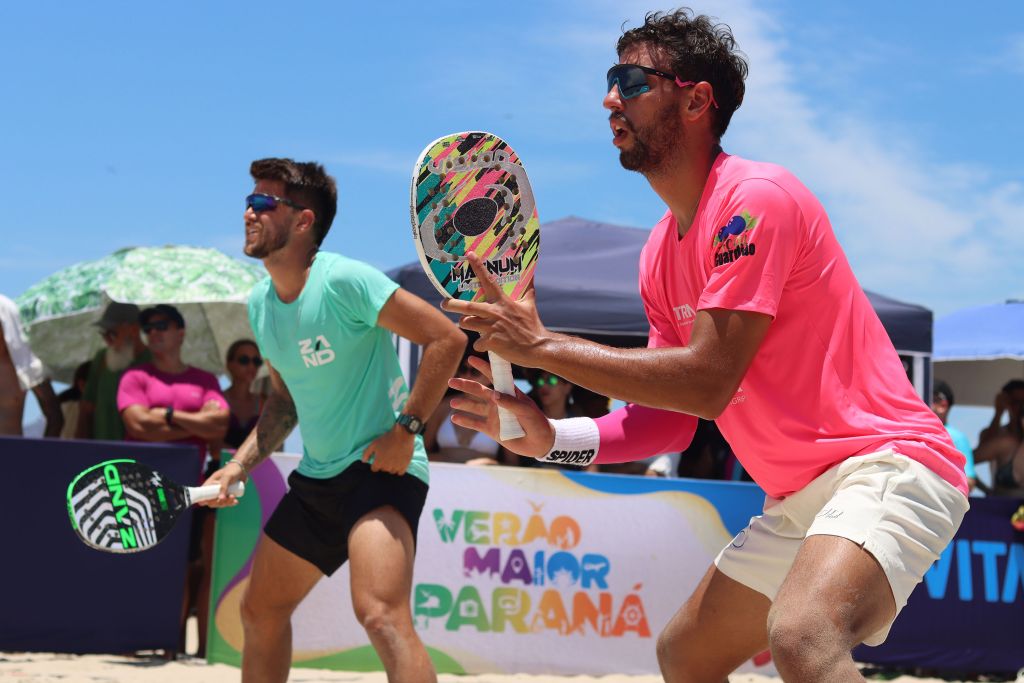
[
  {"x": 586, "y": 285},
  {"x": 977, "y": 350}
]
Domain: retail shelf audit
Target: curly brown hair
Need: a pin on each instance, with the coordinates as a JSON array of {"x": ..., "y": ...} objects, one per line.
[
  {"x": 699, "y": 50},
  {"x": 306, "y": 183}
]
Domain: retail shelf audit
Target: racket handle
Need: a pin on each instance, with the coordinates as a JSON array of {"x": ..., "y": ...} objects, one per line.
[
  {"x": 501, "y": 376},
  {"x": 197, "y": 494}
]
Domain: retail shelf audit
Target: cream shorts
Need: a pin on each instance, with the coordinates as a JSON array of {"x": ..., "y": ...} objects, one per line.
[{"x": 894, "y": 507}]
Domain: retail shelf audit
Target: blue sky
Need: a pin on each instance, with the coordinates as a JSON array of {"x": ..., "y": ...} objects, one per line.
[{"x": 134, "y": 123}]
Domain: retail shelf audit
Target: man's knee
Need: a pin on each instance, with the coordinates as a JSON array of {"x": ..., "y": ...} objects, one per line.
[
  {"x": 258, "y": 612},
  {"x": 380, "y": 619},
  {"x": 805, "y": 637}
]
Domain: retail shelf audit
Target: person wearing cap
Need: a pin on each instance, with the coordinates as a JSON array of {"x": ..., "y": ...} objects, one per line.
[
  {"x": 98, "y": 416},
  {"x": 942, "y": 403},
  {"x": 20, "y": 371},
  {"x": 167, "y": 400}
]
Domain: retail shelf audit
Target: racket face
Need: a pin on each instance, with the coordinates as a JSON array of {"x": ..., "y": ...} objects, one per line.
[
  {"x": 122, "y": 506},
  {"x": 470, "y": 194}
]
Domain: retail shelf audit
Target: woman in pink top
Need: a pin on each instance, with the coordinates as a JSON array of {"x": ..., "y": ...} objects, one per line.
[{"x": 757, "y": 322}]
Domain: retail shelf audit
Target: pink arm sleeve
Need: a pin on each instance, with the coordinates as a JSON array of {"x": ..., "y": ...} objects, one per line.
[
  {"x": 637, "y": 432},
  {"x": 131, "y": 391}
]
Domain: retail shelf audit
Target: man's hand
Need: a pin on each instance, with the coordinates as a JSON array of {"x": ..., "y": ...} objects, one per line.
[
  {"x": 511, "y": 328},
  {"x": 224, "y": 477},
  {"x": 390, "y": 452},
  {"x": 477, "y": 409}
]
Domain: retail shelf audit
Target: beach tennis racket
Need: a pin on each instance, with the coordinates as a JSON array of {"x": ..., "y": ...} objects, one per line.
[
  {"x": 470, "y": 194},
  {"x": 123, "y": 506}
]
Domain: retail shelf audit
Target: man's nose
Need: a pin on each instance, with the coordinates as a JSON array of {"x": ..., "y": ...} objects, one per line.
[{"x": 613, "y": 100}]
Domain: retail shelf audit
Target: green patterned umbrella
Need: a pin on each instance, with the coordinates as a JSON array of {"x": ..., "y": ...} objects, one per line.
[{"x": 209, "y": 288}]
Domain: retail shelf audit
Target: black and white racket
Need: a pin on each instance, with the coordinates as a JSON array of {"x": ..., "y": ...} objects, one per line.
[{"x": 123, "y": 506}]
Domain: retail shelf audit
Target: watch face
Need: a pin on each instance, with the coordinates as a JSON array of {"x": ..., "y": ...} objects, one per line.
[{"x": 411, "y": 423}]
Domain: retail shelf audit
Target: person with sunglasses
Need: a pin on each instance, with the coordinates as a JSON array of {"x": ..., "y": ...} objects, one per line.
[
  {"x": 168, "y": 401},
  {"x": 243, "y": 362},
  {"x": 758, "y": 322},
  {"x": 123, "y": 347},
  {"x": 325, "y": 323}
]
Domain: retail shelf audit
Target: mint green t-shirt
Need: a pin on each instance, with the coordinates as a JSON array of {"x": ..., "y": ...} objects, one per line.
[{"x": 341, "y": 368}]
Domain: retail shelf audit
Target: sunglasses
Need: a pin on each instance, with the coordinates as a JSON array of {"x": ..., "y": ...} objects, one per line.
[
  {"x": 549, "y": 380},
  {"x": 632, "y": 80},
  {"x": 245, "y": 360},
  {"x": 260, "y": 202},
  {"x": 160, "y": 325}
]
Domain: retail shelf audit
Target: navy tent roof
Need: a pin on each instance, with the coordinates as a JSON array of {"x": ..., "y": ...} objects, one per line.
[{"x": 587, "y": 284}]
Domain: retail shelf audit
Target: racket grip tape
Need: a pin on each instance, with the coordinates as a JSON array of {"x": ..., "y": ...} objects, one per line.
[
  {"x": 501, "y": 376},
  {"x": 197, "y": 494}
]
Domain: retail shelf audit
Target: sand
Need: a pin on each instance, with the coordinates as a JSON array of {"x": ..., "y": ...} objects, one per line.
[{"x": 20, "y": 667}]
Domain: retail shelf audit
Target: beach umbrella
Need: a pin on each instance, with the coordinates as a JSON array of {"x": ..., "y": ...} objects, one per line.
[
  {"x": 209, "y": 288},
  {"x": 979, "y": 349}
]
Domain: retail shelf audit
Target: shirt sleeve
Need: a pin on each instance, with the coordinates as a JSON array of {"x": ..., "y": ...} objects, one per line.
[
  {"x": 359, "y": 291},
  {"x": 27, "y": 367},
  {"x": 635, "y": 432},
  {"x": 131, "y": 390},
  {"x": 212, "y": 392},
  {"x": 751, "y": 253}
]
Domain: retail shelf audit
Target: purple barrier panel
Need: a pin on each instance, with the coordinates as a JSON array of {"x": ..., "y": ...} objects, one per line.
[
  {"x": 968, "y": 613},
  {"x": 59, "y": 595}
]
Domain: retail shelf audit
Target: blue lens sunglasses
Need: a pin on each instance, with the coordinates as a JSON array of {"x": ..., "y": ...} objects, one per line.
[
  {"x": 632, "y": 80},
  {"x": 260, "y": 202}
]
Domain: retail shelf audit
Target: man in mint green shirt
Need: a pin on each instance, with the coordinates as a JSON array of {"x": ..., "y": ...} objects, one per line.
[{"x": 324, "y": 323}]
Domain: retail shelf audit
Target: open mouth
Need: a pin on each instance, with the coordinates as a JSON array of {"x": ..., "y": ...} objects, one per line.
[{"x": 619, "y": 129}]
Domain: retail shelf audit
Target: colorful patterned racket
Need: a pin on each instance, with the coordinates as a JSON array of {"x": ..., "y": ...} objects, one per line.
[
  {"x": 123, "y": 506},
  {"x": 470, "y": 194}
]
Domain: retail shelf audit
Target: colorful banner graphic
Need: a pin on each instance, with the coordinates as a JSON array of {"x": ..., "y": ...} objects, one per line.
[{"x": 531, "y": 571}]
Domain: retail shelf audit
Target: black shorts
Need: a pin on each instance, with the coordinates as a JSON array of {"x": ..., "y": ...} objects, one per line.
[{"x": 314, "y": 518}]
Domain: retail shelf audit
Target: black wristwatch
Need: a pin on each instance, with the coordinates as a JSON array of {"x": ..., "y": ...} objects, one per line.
[
  {"x": 411, "y": 423},
  {"x": 169, "y": 416}
]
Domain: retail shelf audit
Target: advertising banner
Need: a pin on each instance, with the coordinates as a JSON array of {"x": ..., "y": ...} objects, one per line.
[{"x": 517, "y": 570}]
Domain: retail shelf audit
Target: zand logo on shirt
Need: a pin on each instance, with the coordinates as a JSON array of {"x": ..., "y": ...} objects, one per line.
[
  {"x": 316, "y": 352},
  {"x": 733, "y": 240}
]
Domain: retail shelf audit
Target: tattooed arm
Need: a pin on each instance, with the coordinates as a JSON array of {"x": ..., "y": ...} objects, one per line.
[{"x": 275, "y": 423}]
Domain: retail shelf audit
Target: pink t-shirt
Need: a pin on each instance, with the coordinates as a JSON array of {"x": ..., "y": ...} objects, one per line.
[
  {"x": 189, "y": 391},
  {"x": 826, "y": 383}
]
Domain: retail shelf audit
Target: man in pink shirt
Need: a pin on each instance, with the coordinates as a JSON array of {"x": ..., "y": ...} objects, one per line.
[{"x": 757, "y": 322}]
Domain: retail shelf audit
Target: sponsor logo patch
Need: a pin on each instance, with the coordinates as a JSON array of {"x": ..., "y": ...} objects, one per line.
[{"x": 734, "y": 240}]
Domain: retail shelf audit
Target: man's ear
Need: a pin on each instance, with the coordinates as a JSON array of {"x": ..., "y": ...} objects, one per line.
[{"x": 305, "y": 221}]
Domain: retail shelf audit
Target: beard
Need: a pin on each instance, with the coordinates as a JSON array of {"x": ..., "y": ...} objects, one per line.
[
  {"x": 267, "y": 245},
  {"x": 654, "y": 144},
  {"x": 118, "y": 358}
]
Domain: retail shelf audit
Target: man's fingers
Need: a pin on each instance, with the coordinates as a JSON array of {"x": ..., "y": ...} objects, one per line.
[
  {"x": 481, "y": 366},
  {"x": 461, "y": 307},
  {"x": 470, "y": 405},
  {"x": 491, "y": 290},
  {"x": 475, "y": 323},
  {"x": 470, "y": 388},
  {"x": 478, "y": 424}
]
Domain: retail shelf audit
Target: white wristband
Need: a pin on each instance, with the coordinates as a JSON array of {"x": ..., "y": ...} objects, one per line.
[{"x": 576, "y": 441}]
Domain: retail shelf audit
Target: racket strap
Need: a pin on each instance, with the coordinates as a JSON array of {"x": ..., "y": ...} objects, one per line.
[{"x": 576, "y": 442}]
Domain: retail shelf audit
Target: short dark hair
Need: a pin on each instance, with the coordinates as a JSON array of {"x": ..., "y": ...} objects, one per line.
[
  {"x": 166, "y": 310},
  {"x": 941, "y": 390},
  {"x": 1013, "y": 385},
  {"x": 237, "y": 344},
  {"x": 699, "y": 50},
  {"x": 306, "y": 183}
]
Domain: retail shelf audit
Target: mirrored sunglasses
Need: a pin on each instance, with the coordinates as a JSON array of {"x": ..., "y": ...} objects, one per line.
[
  {"x": 546, "y": 380},
  {"x": 245, "y": 360},
  {"x": 631, "y": 80},
  {"x": 260, "y": 202}
]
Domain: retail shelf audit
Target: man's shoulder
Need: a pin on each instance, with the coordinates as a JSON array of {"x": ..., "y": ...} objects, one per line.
[
  {"x": 738, "y": 178},
  {"x": 200, "y": 375}
]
